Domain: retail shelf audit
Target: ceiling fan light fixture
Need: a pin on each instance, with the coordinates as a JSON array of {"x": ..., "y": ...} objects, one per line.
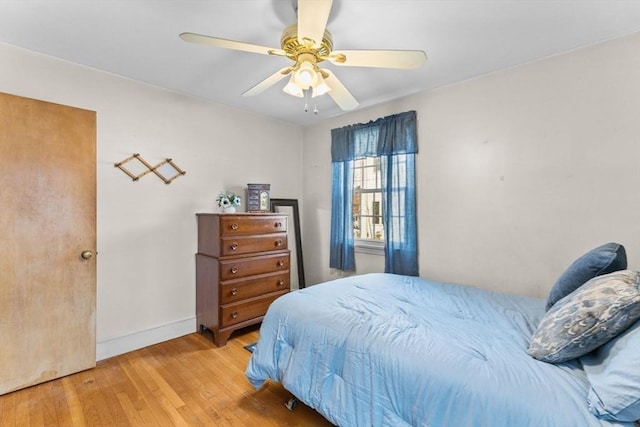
[
  {"x": 292, "y": 88},
  {"x": 321, "y": 87},
  {"x": 306, "y": 76}
]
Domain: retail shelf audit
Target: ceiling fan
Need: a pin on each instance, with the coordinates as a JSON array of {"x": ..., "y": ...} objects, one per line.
[{"x": 307, "y": 43}]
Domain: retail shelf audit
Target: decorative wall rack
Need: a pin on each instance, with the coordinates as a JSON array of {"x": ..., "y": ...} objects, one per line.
[{"x": 167, "y": 166}]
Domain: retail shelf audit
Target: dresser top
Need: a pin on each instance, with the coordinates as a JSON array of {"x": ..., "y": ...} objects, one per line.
[{"x": 238, "y": 213}]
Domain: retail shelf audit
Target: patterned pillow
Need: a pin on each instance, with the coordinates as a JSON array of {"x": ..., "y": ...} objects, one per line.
[
  {"x": 588, "y": 317},
  {"x": 598, "y": 261}
]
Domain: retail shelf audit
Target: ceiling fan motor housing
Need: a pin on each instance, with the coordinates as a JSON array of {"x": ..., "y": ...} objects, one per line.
[{"x": 293, "y": 48}]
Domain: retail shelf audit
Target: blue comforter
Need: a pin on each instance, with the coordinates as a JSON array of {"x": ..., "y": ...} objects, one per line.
[{"x": 389, "y": 350}]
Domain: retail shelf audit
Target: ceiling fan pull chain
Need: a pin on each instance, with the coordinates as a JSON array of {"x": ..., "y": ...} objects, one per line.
[{"x": 306, "y": 100}]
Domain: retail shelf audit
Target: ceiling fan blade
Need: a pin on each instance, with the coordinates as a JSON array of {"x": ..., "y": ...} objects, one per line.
[
  {"x": 230, "y": 44},
  {"x": 339, "y": 93},
  {"x": 312, "y": 19},
  {"x": 379, "y": 58},
  {"x": 268, "y": 82}
]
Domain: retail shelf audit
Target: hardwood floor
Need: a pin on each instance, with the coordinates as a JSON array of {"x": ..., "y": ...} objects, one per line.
[{"x": 187, "y": 381}]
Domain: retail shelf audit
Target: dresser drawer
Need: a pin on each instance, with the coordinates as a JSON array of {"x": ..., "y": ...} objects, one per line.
[
  {"x": 230, "y": 314},
  {"x": 241, "y": 245},
  {"x": 236, "y": 290},
  {"x": 237, "y": 225},
  {"x": 251, "y": 266}
]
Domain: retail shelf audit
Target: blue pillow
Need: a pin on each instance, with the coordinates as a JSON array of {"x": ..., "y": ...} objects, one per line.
[
  {"x": 601, "y": 260},
  {"x": 613, "y": 371},
  {"x": 588, "y": 317}
]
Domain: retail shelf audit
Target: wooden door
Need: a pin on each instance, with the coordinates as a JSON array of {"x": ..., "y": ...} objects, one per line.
[{"x": 47, "y": 221}]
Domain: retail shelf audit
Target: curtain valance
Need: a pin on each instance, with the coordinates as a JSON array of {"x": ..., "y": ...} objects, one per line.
[{"x": 395, "y": 134}]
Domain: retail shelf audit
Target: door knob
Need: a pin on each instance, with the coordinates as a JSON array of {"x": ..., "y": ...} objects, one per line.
[{"x": 86, "y": 254}]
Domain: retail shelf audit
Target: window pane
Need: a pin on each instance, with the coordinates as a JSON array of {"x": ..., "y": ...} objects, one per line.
[
  {"x": 377, "y": 212},
  {"x": 367, "y": 228},
  {"x": 379, "y": 231},
  {"x": 367, "y": 200},
  {"x": 371, "y": 177},
  {"x": 365, "y": 203},
  {"x": 357, "y": 175}
]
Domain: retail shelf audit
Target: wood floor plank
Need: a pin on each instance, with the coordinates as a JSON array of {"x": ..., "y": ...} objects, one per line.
[
  {"x": 95, "y": 404},
  {"x": 134, "y": 406},
  {"x": 104, "y": 391},
  {"x": 183, "y": 382},
  {"x": 133, "y": 415},
  {"x": 140, "y": 382},
  {"x": 187, "y": 385},
  {"x": 36, "y": 406},
  {"x": 54, "y": 409},
  {"x": 73, "y": 402},
  {"x": 8, "y": 411}
]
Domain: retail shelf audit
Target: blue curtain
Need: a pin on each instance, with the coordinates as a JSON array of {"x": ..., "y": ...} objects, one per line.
[
  {"x": 342, "y": 243},
  {"x": 394, "y": 140}
]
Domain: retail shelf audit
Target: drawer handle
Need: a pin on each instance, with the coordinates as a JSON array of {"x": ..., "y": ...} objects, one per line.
[
  {"x": 234, "y": 247},
  {"x": 234, "y": 270},
  {"x": 234, "y": 226},
  {"x": 234, "y": 315},
  {"x": 280, "y": 282},
  {"x": 278, "y": 224},
  {"x": 278, "y": 243},
  {"x": 234, "y": 292},
  {"x": 280, "y": 263}
]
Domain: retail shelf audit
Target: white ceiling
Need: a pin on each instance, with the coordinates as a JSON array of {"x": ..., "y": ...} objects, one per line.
[{"x": 462, "y": 39}]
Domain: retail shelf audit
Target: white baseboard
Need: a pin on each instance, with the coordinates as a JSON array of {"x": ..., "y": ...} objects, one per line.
[{"x": 124, "y": 344}]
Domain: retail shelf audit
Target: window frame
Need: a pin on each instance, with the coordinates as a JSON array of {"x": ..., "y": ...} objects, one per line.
[{"x": 369, "y": 246}]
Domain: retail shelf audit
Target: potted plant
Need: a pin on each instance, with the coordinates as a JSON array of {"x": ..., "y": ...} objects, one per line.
[{"x": 228, "y": 201}]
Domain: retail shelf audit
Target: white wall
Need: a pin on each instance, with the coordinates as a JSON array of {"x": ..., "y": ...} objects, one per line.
[
  {"x": 519, "y": 172},
  {"x": 146, "y": 230}
]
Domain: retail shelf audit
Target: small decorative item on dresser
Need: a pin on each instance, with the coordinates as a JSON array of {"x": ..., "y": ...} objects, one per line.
[
  {"x": 258, "y": 197},
  {"x": 228, "y": 201}
]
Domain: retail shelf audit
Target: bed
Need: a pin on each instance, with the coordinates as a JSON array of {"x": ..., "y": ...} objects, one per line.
[{"x": 391, "y": 350}]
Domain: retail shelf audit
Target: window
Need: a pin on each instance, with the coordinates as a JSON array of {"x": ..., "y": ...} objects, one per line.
[{"x": 373, "y": 193}]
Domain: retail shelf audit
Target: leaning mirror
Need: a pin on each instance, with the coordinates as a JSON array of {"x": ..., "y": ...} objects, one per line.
[{"x": 289, "y": 207}]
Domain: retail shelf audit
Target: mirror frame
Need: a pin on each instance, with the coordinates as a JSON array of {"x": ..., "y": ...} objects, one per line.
[{"x": 293, "y": 203}]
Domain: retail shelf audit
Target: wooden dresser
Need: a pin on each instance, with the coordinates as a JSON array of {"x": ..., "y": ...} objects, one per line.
[{"x": 242, "y": 266}]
